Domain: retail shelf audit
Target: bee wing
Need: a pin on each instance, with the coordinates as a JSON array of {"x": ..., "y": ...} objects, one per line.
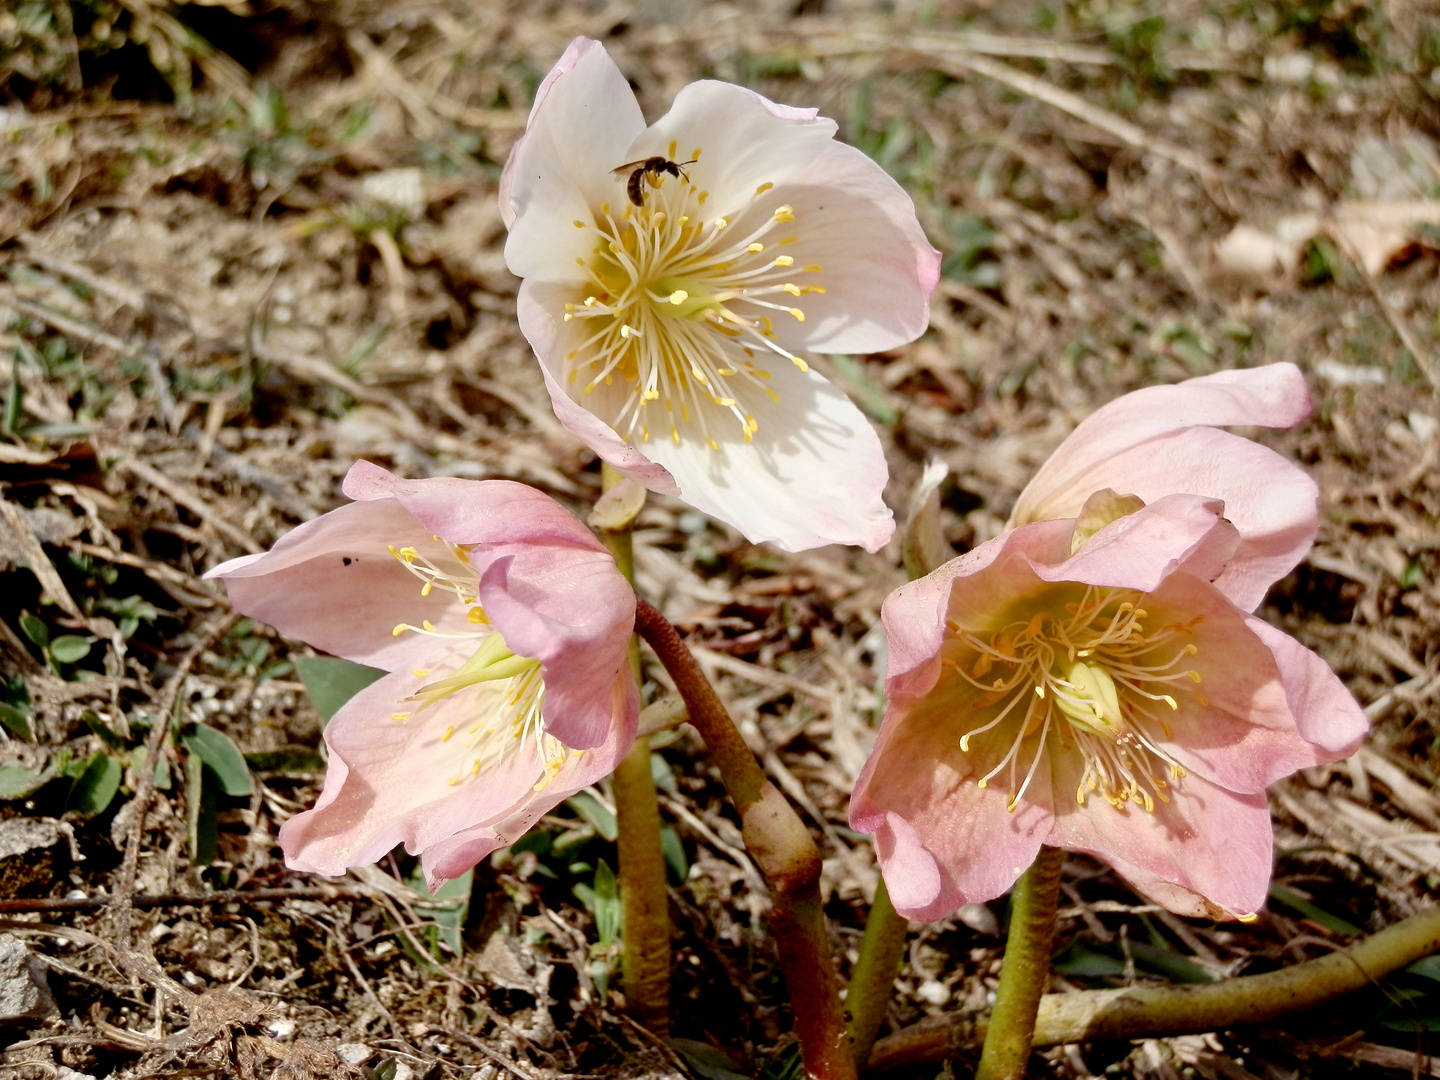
[{"x": 628, "y": 167}]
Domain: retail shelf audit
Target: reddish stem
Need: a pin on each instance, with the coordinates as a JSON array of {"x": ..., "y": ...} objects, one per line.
[{"x": 783, "y": 850}]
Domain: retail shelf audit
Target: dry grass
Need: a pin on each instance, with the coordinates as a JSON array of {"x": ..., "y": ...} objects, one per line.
[{"x": 274, "y": 258}]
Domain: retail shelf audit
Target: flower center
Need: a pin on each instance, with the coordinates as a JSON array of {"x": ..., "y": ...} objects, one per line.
[
  {"x": 507, "y": 719},
  {"x": 1089, "y": 677},
  {"x": 680, "y": 307}
]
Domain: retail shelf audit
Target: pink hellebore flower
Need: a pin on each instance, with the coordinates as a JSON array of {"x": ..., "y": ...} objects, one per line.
[
  {"x": 504, "y": 625},
  {"x": 674, "y": 274},
  {"x": 1092, "y": 678}
]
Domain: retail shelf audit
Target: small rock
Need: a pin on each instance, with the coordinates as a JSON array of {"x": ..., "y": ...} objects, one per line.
[
  {"x": 24, "y": 993},
  {"x": 979, "y": 918},
  {"x": 933, "y": 992},
  {"x": 67, "y": 1073},
  {"x": 353, "y": 1053}
]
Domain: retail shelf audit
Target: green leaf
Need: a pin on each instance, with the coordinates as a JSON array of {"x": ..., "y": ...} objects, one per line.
[
  {"x": 589, "y": 808},
  {"x": 1293, "y": 900},
  {"x": 447, "y": 908},
  {"x": 332, "y": 681},
  {"x": 661, "y": 775},
  {"x": 101, "y": 731},
  {"x": 222, "y": 756},
  {"x": 673, "y": 848},
  {"x": 35, "y": 629},
  {"x": 16, "y": 722},
  {"x": 69, "y": 649},
  {"x": 201, "y": 817},
  {"x": 1170, "y": 964},
  {"x": 607, "y": 904},
  {"x": 1085, "y": 961},
  {"x": 1428, "y": 968},
  {"x": 704, "y": 1060},
  {"x": 16, "y": 781},
  {"x": 93, "y": 789},
  {"x": 162, "y": 767},
  {"x": 300, "y": 760}
]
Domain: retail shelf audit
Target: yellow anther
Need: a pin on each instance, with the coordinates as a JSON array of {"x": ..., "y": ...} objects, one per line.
[
  {"x": 764, "y": 188},
  {"x": 814, "y": 268},
  {"x": 784, "y": 214},
  {"x": 720, "y": 223},
  {"x": 428, "y": 625},
  {"x": 399, "y": 629},
  {"x": 799, "y": 315},
  {"x": 578, "y": 223},
  {"x": 399, "y": 716},
  {"x": 792, "y": 289},
  {"x": 679, "y": 296},
  {"x": 420, "y": 672},
  {"x": 755, "y": 248},
  {"x": 783, "y": 260},
  {"x": 448, "y": 732}
]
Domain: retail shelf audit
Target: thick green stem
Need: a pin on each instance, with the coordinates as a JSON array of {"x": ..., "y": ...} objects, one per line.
[
  {"x": 1024, "y": 971},
  {"x": 872, "y": 980},
  {"x": 783, "y": 850},
  {"x": 1146, "y": 1012},
  {"x": 644, "y": 904}
]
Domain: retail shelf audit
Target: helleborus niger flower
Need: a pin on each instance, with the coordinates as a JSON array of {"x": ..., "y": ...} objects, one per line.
[
  {"x": 503, "y": 624},
  {"x": 675, "y": 276},
  {"x": 1093, "y": 680}
]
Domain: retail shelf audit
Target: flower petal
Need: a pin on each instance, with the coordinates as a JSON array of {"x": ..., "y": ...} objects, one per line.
[
  {"x": 388, "y": 782},
  {"x": 333, "y": 583},
  {"x": 1140, "y": 550},
  {"x": 1326, "y": 712},
  {"x": 1152, "y": 443},
  {"x": 879, "y": 270},
  {"x": 918, "y": 774},
  {"x": 1206, "y": 845},
  {"x": 551, "y": 343},
  {"x": 583, "y": 118},
  {"x": 812, "y": 474},
  {"x": 745, "y": 141},
  {"x": 576, "y": 619},
  {"x": 452, "y": 856}
]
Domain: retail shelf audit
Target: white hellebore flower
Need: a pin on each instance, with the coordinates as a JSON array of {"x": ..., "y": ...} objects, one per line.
[{"x": 676, "y": 274}]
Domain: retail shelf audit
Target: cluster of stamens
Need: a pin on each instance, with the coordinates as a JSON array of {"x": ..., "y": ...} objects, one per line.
[
  {"x": 681, "y": 307},
  {"x": 510, "y": 722},
  {"x": 1090, "y": 676}
]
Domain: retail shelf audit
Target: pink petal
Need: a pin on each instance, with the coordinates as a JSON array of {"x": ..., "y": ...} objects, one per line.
[
  {"x": 576, "y": 620},
  {"x": 1269, "y": 500},
  {"x": 1327, "y": 714},
  {"x": 579, "y": 129},
  {"x": 1207, "y": 844},
  {"x": 332, "y": 582},
  {"x": 918, "y": 774},
  {"x": 451, "y": 857},
  {"x": 1272, "y": 396},
  {"x": 1140, "y": 550},
  {"x": 387, "y": 781},
  {"x": 1245, "y": 735}
]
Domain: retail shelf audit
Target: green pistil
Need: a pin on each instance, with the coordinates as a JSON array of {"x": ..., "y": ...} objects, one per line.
[{"x": 491, "y": 662}]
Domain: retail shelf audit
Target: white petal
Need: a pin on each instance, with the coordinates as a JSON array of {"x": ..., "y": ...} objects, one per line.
[
  {"x": 559, "y": 169},
  {"x": 812, "y": 475},
  {"x": 745, "y": 141}
]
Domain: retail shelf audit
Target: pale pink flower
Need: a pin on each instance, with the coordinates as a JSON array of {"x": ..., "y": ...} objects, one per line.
[
  {"x": 504, "y": 625},
  {"x": 671, "y": 333},
  {"x": 1094, "y": 680}
]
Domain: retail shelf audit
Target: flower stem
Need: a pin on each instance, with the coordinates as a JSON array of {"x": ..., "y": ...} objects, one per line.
[
  {"x": 783, "y": 850},
  {"x": 1024, "y": 971},
  {"x": 873, "y": 977},
  {"x": 1146, "y": 1011},
  {"x": 644, "y": 904}
]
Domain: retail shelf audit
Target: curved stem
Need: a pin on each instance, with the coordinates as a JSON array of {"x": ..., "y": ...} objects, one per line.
[
  {"x": 644, "y": 903},
  {"x": 1141, "y": 1012},
  {"x": 1024, "y": 971},
  {"x": 783, "y": 850},
  {"x": 873, "y": 977}
]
